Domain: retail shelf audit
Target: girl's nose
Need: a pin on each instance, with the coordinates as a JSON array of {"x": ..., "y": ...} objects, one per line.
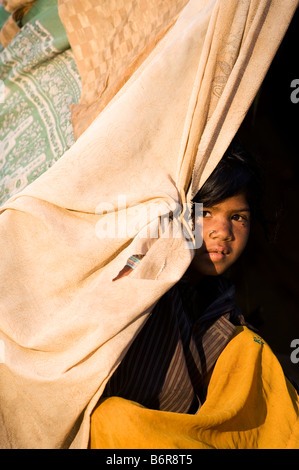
[{"x": 222, "y": 230}]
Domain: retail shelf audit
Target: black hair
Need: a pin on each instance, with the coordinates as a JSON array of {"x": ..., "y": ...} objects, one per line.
[{"x": 236, "y": 173}]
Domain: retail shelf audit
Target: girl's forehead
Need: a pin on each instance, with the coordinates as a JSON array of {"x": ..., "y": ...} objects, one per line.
[{"x": 238, "y": 202}]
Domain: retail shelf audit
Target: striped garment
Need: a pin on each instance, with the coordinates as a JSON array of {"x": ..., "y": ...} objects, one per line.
[{"x": 168, "y": 364}]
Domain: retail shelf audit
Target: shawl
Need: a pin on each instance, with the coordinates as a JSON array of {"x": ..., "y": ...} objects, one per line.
[
  {"x": 169, "y": 363},
  {"x": 244, "y": 409}
]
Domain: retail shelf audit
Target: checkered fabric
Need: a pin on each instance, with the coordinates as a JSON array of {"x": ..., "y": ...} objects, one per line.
[{"x": 110, "y": 39}]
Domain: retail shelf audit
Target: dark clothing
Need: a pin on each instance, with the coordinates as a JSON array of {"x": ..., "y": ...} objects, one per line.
[{"x": 168, "y": 364}]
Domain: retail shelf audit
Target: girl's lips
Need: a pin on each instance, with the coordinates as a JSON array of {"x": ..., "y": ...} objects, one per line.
[{"x": 215, "y": 255}]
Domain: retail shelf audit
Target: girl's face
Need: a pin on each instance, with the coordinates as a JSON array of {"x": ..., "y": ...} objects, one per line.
[{"x": 225, "y": 233}]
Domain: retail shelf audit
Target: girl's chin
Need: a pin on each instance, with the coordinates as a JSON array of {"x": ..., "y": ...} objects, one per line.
[{"x": 209, "y": 266}]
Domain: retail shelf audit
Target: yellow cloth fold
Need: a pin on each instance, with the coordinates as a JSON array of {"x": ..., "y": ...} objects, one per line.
[{"x": 249, "y": 405}]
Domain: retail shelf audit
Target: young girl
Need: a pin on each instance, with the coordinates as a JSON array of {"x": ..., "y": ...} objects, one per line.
[{"x": 169, "y": 364}]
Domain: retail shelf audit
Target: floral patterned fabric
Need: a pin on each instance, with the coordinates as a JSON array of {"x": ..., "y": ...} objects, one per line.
[{"x": 39, "y": 81}]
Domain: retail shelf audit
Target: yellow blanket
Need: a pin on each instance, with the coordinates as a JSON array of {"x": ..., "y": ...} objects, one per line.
[{"x": 250, "y": 405}]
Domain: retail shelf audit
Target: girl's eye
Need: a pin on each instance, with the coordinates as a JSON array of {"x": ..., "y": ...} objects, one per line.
[
  {"x": 206, "y": 213},
  {"x": 239, "y": 218}
]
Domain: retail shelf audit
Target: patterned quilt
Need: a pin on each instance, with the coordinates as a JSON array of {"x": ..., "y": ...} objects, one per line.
[{"x": 38, "y": 82}]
